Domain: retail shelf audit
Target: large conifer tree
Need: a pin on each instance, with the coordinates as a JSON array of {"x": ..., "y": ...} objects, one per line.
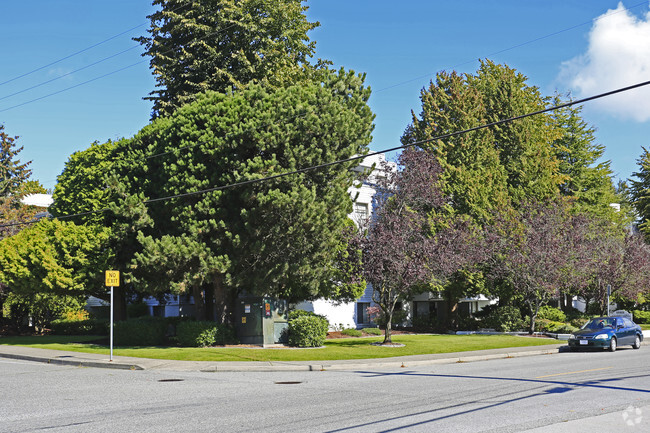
[{"x": 199, "y": 45}]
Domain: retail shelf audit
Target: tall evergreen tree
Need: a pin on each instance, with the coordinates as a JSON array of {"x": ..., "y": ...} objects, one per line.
[
  {"x": 279, "y": 237},
  {"x": 199, "y": 45},
  {"x": 587, "y": 182},
  {"x": 639, "y": 192},
  {"x": 12, "y": 172},
  {"x": 492, "y": 168}
]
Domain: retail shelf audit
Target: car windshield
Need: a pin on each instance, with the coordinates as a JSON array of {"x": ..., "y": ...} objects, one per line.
[{"x": 600, "y": 323}]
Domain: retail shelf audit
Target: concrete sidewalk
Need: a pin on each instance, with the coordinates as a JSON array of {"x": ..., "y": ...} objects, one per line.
[{"x": 123, "y": 362}]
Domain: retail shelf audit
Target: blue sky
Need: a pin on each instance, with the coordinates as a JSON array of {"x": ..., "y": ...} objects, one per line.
[{"x": 582, "y": 46}]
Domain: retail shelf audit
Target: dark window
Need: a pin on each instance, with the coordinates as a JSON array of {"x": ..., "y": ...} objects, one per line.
[{"x": 362, "y": 312}]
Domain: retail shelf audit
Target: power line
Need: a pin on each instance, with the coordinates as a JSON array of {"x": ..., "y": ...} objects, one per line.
[
  {"x": 356, "y": 158},
  {"x": 69, "y": 73},
  {"x": 71, "y": 55},
  {"x": 82, "y": 50},
  {"x": 519, "y": 45}
]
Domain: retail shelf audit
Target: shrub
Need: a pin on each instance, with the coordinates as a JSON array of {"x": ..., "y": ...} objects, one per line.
[
  {"x": 137, "y": 309},
  {"x": 75, "y": 315},
  {"x": 203, "y": 334},
  {"x": 352, "y": 332},
  {"x": 79, "y": 327},
  {"x": 641, "y": 316},
  {"x": 504, "y": 319},
  {"x": 423, "y": 323},
  {"x": 143, "y": 331},
  {"x": 579, "y": 322},
  {"x": 308, "y": 331},
  {"x": 545, "y": 325},
  {"x": 294, "y": 314},
  {"x": 550, "y": 313},
  {"x": 565, "y": 329},
  {"x": 468, "y": 323},
  {"x": 372, "y": 331}
]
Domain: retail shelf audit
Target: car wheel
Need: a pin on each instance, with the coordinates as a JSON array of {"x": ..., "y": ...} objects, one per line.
[
  {"x": 612, "y": 344},
  {"x": 637, "y": 343}
]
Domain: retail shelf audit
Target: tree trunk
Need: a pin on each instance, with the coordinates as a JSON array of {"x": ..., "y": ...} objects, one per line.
[
  {"x": 224, "y": 302},
  {"x": 209, "y": 304},
  {"x": 387, "y": 334},
  {"x": 452, "y": 311},
  {"x": 119, "y": 301},
  {"x": 534, "y": 309},
  {"x": 199, "y": 302}
]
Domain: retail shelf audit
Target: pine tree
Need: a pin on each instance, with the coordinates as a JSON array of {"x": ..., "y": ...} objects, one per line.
[
  {"x": 199, "y": 45},
  {"x": 12, "y": 172},
  {"x": 587, "y": 182},
  {"x": 640, "y": 192}
]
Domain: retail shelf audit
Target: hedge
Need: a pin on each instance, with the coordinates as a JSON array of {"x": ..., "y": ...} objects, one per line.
[
  {"x": 143, "y": 331},
  {"x": 79, "y": 327}
]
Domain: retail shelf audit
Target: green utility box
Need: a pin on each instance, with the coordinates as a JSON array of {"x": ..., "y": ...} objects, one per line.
[{"x": 262, "y": 321}]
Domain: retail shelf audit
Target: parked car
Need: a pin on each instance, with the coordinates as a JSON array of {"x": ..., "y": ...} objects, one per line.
[{"x": 607, "y": 333}]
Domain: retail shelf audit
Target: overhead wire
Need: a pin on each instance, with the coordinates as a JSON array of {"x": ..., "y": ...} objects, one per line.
[
  {"x": 83, "y": 50},
  {"x": 305, "y": 113},
  {"x": 358, "y": 157}
]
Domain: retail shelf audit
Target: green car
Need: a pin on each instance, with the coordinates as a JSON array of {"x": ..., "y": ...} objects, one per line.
[{"x": 607, "y": 333}]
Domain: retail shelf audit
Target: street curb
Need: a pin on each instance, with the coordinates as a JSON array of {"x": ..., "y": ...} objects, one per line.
[{"x": 75, "y": 362}]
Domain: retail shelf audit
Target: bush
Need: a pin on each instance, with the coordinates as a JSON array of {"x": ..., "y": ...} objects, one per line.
[
  {"x": 294, "y": 314},
  {"x": 424, "y": 323},
  {"x": 468, "y": 323},
  {"x": 136, "y": 310},
  {"x": 204, "y": 334},
  {"x": 550, "y": 313},
  {"x": 565, "y": 329},
  {"x": 504, "y": 319},
  {"x": 545, "y": 325},
  {"x": 308, "y": 331},
  {"x": 641, "y": 316},
  {"x": 352, "y": 332},
  {"x": 143, "y": 331},
  {"x": 579, "y": 322},
  {"x": 372, "y": 331},
  {"x": 79, "y": 327}
]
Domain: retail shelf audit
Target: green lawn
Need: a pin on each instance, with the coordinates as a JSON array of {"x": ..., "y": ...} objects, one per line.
[{"x": 345, "y": 348}]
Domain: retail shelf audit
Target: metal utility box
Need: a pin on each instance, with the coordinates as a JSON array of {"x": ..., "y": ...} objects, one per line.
[{"x": 262, "y": 321}]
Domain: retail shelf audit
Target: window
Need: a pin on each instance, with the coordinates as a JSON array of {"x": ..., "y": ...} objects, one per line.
[
  {"x": 360, "y": 211},
  {"x": 362, "y": 312}
]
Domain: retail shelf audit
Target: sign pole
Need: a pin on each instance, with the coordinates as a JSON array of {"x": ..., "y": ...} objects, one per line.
[
  {"x": 609, "y": 292},
  {"x": 112, "y": 280},
  {"x": 111, "y": 325}
]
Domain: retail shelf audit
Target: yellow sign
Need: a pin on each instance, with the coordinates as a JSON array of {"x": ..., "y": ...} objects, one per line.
[{"x": 112, "y": 278}]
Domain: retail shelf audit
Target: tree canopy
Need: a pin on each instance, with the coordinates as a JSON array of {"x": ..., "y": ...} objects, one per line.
[
  {"x": 12, "y": 172},
  {"x": 219, "y": 45},
  {"x": 640, "y": 192},
  {"x": 279, "y": 237}
]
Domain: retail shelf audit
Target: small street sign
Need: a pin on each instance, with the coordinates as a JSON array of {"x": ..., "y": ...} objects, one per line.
[{"x": 112, "y": 278}]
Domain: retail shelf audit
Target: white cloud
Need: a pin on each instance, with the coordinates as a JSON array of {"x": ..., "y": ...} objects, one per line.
[{"x": 618, "y": 55}]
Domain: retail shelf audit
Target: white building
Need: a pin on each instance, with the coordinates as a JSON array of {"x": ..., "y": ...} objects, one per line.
[{"x": 354, "y": 314}]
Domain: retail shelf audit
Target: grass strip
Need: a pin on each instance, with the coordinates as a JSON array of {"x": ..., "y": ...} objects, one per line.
[{"x": 338, "y": 349}]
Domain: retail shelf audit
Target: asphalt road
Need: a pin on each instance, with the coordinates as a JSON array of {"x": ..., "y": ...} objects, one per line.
[{"x": 586, "y": 391}]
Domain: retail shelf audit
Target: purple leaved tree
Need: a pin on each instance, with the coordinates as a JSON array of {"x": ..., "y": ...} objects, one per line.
[
  {"x": 540, "y": 252},
  {"x": 411, "y": 242},
  {"x": 620, "y": 261}
]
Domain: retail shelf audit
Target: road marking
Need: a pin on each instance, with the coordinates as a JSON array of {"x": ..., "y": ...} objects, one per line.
[{"x": 573, "y": 372}]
